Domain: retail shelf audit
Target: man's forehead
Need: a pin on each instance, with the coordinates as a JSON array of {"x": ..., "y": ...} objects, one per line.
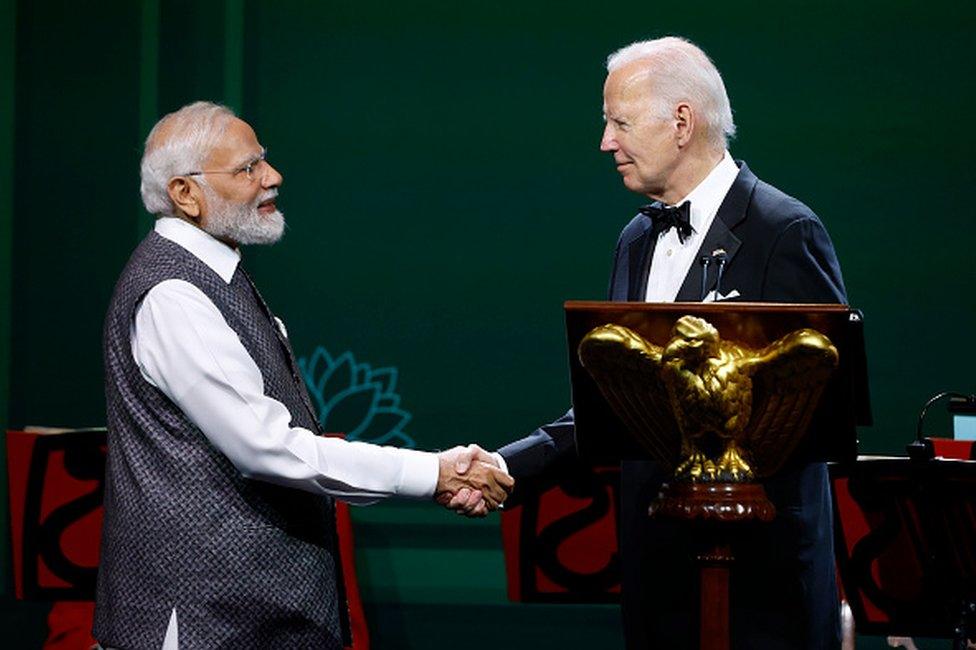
[
  {"x": 237, "y": 144},
  {"x": 239, "y": 132},
  {"x": 628, "y": 82},
  {"x": 621, "y": 103}
]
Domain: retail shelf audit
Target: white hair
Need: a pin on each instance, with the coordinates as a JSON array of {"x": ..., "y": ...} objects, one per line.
[
  {"x": 681, "y": 72},
  {"x": 180, "y": 143}
]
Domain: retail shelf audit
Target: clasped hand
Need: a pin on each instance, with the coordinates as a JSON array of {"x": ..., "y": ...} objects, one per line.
[{"x": 470, "y": 481}]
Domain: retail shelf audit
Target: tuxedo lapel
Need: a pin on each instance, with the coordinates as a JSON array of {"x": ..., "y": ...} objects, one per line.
[
  {"x": 720, "y": 235},
  {"x": 639, "y": 252}
]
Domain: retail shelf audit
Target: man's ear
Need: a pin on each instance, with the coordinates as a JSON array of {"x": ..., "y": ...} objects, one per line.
[
  {"x": 186, "y": 196},
  {"x": 684, "y": 123}
]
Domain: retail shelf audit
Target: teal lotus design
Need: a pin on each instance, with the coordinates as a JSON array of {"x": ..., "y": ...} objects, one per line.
[{"x": 356, "y": 399}]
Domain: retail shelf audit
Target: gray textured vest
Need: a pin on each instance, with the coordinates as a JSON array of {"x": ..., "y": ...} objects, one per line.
[{"x": 246, "y": 564}]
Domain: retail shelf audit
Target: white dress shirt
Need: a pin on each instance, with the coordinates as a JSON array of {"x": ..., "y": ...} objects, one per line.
[
  {"x": 184, "y": 347},
  {"x": 672, "y": 259}
]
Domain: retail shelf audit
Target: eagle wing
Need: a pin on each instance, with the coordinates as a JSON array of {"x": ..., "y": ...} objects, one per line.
[
  {"x": 627, "y": 368},
  {"x": 788, "y": 377}
]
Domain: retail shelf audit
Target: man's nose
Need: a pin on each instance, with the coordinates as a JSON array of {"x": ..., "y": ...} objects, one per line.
[
  {"x": 271, "y": 177},
  {"x": 608, "y": 142}
]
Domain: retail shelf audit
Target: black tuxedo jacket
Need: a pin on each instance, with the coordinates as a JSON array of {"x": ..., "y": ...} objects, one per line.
[{"x": 784, "y": 595}]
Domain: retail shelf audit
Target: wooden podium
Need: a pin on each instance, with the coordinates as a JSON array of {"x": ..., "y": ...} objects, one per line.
[{"x": 610, "y": 428}]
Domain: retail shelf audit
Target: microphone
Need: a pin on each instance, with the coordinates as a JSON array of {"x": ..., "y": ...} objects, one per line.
[
  {"x": 705, "y": 260},
  {"x": 922, "y": 448},
  {"x": 720, "y": 258}
]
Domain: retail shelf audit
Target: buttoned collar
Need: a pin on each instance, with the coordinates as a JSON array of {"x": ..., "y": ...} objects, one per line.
[{"x": 217, "y": 255}]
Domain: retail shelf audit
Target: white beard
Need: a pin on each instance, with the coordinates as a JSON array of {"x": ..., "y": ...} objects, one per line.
[{"x": 241, "y": 223}]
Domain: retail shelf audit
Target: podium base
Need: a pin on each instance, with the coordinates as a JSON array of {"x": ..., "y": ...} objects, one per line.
[
  {"x": 715, "y": 507},
  {"x": 719, "y": 502}
]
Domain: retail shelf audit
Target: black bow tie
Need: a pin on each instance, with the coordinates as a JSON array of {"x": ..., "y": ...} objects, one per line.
[{"x": 664, "y": 218}]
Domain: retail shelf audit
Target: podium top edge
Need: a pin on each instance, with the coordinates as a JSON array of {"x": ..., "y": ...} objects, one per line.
[{"x": 601, "y": 305}]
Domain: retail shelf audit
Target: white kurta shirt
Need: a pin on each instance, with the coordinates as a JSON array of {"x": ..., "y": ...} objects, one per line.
[
  {"x": 183, "y": 346},
  {"x": 672, "y": 259}
]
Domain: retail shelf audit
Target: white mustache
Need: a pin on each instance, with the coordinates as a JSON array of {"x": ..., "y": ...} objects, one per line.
[{"x": 267, "y": 196}]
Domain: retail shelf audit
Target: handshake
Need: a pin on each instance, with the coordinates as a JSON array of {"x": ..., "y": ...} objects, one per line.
[{"x": 470, "y": 481}]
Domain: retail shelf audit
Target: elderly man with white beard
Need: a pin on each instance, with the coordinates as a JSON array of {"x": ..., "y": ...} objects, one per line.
[{"x": 219, "y": 525}]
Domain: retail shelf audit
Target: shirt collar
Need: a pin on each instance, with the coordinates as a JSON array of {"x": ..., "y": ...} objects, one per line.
[
  {"x": 709, "y": 194},
  {"x": 218, "y": 256}
]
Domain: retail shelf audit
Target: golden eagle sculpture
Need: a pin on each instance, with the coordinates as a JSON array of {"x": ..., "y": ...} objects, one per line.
[{"x": 708, "y": 409}]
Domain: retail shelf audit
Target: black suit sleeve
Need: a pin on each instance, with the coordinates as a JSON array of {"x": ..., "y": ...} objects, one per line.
[
  {"x": 803, "y": 266},
  {"x": 615, "y": 269},
  {"x": 542, "y": 449},
  {"x": 543, "y": 459}
]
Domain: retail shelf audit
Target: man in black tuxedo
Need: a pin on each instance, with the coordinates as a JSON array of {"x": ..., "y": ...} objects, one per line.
[{"x": 667, "y": 123}]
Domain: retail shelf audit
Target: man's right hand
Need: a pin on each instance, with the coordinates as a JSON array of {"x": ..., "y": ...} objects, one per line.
[{"x": 470, "y": 481}]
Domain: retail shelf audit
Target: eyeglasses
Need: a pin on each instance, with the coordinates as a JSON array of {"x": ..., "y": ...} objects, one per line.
[{"x": 248, "y": 169}]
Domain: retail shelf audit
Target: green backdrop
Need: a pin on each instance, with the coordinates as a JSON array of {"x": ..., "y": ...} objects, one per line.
[{"x": 445, "y": 194}]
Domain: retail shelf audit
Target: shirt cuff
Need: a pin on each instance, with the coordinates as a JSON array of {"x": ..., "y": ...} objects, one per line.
[{"x": 418, "y": 474}]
